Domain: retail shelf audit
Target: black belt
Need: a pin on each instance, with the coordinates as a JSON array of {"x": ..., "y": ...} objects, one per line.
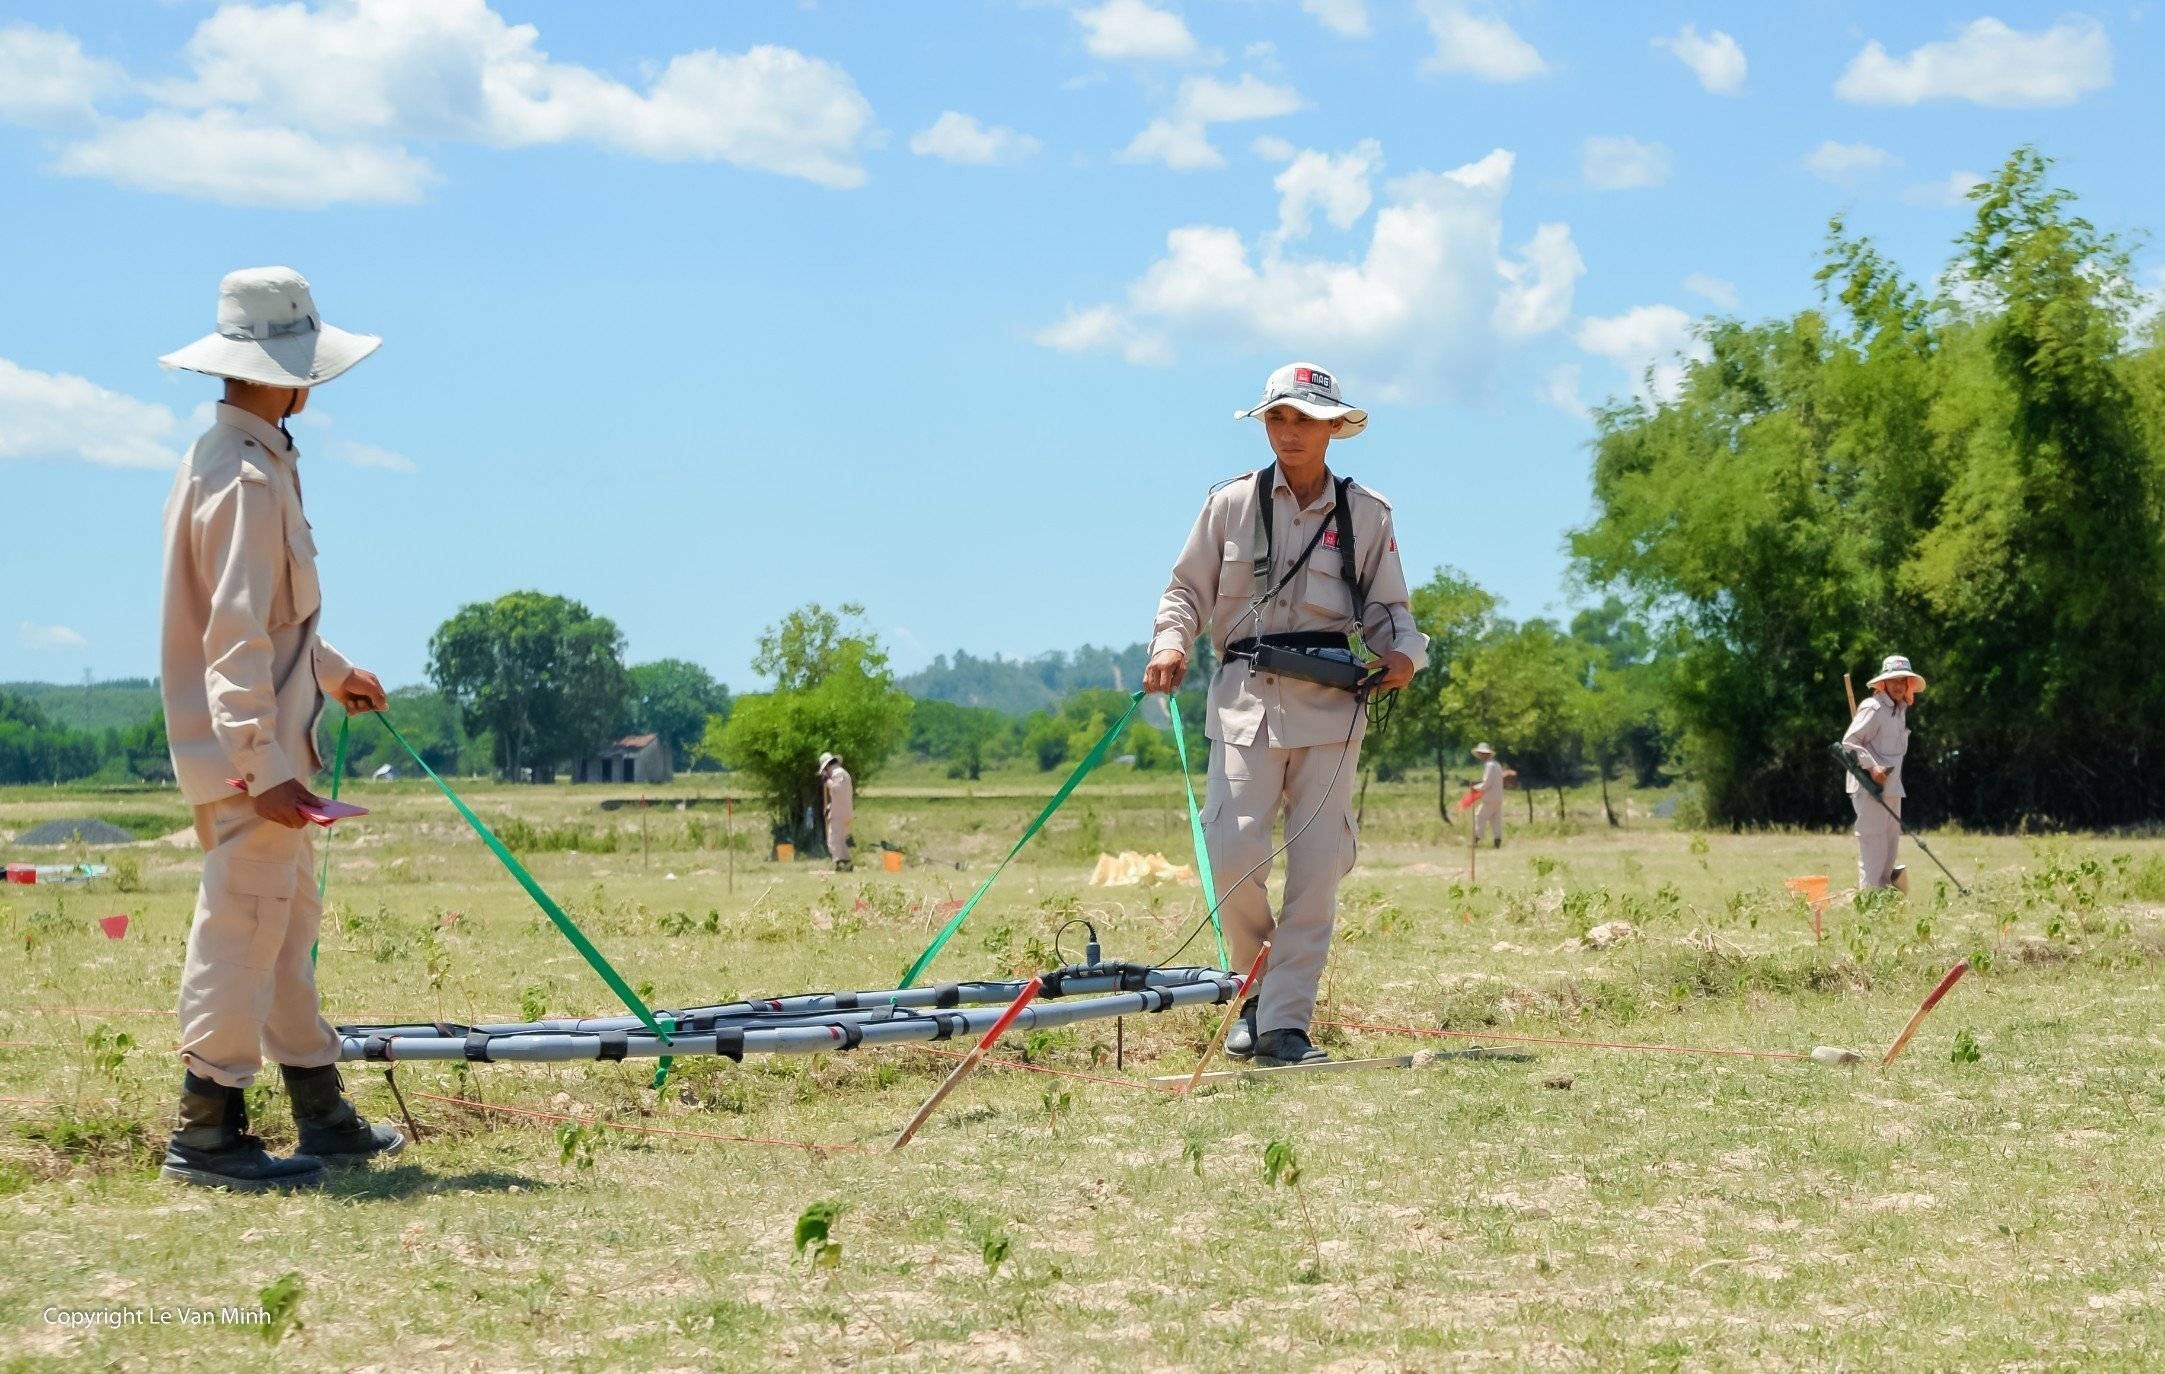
[{"x": 1290, "y": 639}]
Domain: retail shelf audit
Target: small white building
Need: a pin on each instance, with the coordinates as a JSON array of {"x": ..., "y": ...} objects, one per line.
[{"x": 635, "y": 758}]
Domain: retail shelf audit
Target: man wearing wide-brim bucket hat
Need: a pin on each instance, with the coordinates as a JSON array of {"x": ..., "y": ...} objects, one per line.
[
  {"x": 838, "y": 800},
  {"x": 1878, "y": 739},
  {"x": 245, "y": 673},
  {"x": 1488, "y": 812},
  {"x": 1289, "y": 570}
]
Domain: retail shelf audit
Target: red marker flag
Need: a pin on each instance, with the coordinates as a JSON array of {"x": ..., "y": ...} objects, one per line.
[{"x": 1465, "y": 803}]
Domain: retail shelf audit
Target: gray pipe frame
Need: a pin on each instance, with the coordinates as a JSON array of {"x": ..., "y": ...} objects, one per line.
[
  {"x": 550, "y": 1047},
  {"x": 756, "y": 1012}
]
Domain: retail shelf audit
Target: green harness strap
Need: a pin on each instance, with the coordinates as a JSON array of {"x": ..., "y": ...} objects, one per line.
[
  {"x": 323, "y": 867},
  {"x": 548, "y": 905},
  {"x": 1195, "y": 833},
  {"x": 1090, "y": 761}
]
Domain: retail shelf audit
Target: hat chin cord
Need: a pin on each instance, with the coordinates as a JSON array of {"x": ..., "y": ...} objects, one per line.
[{"x": 293, "y": 403}]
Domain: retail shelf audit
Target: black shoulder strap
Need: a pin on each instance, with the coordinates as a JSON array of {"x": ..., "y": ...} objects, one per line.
[
  {"x": 1265, "y": 524},
  {"x": 1342, "y": 515}
]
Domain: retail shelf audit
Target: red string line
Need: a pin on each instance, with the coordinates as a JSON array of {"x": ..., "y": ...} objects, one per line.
[
  {"x": 991, "y": 1063},
  {"x": 810, "y": 1146},
  {"x": 1557, "y": 1040}
]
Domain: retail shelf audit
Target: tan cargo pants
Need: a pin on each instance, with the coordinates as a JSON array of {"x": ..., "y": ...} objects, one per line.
[
  {"x": 1879, "y": 836},
  {"x": 248, "y": 990},
  {"x": 1488, "y": 819},
  {"x": 1250, "y": 786}
]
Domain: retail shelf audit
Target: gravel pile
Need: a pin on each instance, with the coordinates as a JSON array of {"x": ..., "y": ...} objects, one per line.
[{"x": 75, "y": 832}]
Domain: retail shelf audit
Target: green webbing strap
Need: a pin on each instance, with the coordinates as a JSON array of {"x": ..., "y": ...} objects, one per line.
[
  {"x": 542, "y": 899},
  {"x": 1090, "y": 761},
  {"x": 323, "y": 867},
  {"x": 661, "y": 1070},
  {"x": 1195, "y": 833}
]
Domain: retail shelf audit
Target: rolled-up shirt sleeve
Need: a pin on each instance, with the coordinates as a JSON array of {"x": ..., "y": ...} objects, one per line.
[
  {"x": 332, "y": 667},
  {"x": 1192, "y": 592},
  {"x": 240, "y": 542},
  {"x": 1388, "y": 622}
]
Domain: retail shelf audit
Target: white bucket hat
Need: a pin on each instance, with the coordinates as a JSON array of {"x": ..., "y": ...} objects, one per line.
[
  {"x": 1482, "y": 748},
  {"x": 1313, "y": 392},
  {"x": 269, "y": 333},
  {"x": 1895, "y": 665},
  {"x": 825, "y": 759}
]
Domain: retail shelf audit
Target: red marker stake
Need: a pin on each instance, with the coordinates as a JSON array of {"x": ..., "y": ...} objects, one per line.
[
  {"x": 969, "y": 1062},
  {"x": 1954, "y": 975},
  {"x": 1225, "y": 1027}
]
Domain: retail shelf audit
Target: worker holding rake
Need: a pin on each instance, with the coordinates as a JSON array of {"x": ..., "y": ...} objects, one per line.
[
  {"x": 1295, "y": 575},
  {"x": 244, "y": 678},
  {"x": 1878, "y": 740}
]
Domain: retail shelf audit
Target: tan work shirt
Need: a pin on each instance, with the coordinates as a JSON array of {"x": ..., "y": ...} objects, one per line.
[
  {"x": 841, "y": 794},
  {"x": 243, "y": 671},
  {"x": 1879, "y": 738},
  {"x": 1213, "y": 586}
]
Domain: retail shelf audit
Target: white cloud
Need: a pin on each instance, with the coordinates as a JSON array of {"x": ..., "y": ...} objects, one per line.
[
  {"x": 1134, "y": 30},
  {"x": 957, "y": 137},
  {"x": 1622, "y": 164},
  {"x": 349, "y": 82},
  {"x": 1426, "y": 308},
  {"x": 53, "y": 415},
  {"x": 360, "y": 455},
  {"x": 1715, "y": 59},
  {"x": 1346, "y": 18},
  {"x": 1336, "y": 185},
  {"x": 1561, "y": 389},
  {"x": 1714, "y": 290},
  {"x": 219, "y": 155},
  {"x": 34, "y": 636},
  {"x": 1208, "y": 100},
  {"x": 1651, "y": 343},
  {"x": 1478, "y": 44},
  {"x": 1272, "y": 148},
  {"x": 1104, "y": 328},
  {"x": 44, "y": 74},
  {"x": 1842, "y": 162},
  {"x": 1988, "y": 63},
  {"x": 1181, "y": 140},
  {"x": 1181, "y": 145},
  {"x": 1953, "y": 190}
]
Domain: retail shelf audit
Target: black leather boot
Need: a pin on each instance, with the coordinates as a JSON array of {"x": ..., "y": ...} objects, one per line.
[
  {"x": 1240, "y": 1040},
  {"x": 330, "y": 1128},
  {"x": 1280, "y": 1049},
  {"x": 211, "y": 1147}
]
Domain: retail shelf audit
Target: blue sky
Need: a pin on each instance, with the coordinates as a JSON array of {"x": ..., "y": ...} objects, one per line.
[{"x": 698, "y": 311}]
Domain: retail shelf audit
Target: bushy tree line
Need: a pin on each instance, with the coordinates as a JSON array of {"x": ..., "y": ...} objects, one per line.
[
  {"x": 1970, "y": 472},
  {"x": 34, "y": 748}
]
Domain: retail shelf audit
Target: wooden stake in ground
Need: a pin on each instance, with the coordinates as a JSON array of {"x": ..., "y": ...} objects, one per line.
[
  {"x": 729, "y": 839},
  {"x": 969, "y": 1062},
  {"x": 1954, "y": 975},
  {"x": 1225, "y": 1027}
]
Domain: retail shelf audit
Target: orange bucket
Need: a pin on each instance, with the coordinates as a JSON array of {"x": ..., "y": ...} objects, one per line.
[
  {"x": 891, "y": 860},
  {"x": 784, "y": 852}
]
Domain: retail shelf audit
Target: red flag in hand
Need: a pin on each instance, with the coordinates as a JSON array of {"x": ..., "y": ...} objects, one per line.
[{"x": 1465, "y": 803}]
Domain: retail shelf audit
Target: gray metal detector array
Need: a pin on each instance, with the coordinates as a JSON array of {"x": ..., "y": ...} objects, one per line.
[{"x": 811, "y": 1023}]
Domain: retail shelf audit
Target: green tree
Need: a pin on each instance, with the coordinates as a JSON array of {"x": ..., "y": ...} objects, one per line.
[
  {"x": 1429, "y": 721},
  {"x": 833, "y": 693},
  {"x": 675, "y": 699},
  {"x": 1974, "y": 479},
  {"x": 543, "y": 674}
]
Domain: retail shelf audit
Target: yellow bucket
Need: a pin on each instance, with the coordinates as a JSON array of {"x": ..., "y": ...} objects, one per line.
[
  {"x": 784, "y": 852},
  {"x": 891, "y": 860}
]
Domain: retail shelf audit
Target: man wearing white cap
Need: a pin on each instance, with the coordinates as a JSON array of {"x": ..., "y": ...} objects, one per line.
[
  {"x": 1285, "y": 568},
  {"x": 244, "y": 678},
  {"x": 1878, "y": 739},
  {"x": 1488, "y": 812},
  {"x": 840, "y": 794}
]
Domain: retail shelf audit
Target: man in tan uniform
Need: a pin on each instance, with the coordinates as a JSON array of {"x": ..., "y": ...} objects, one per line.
[
  {"x": 244, "y": 677},
  {"x": 1878, "y": 739},
  {"x": 839, "y": 792},
  {"x": 1488, "y": 812},
  {"x": 1267, "y": 565}
]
